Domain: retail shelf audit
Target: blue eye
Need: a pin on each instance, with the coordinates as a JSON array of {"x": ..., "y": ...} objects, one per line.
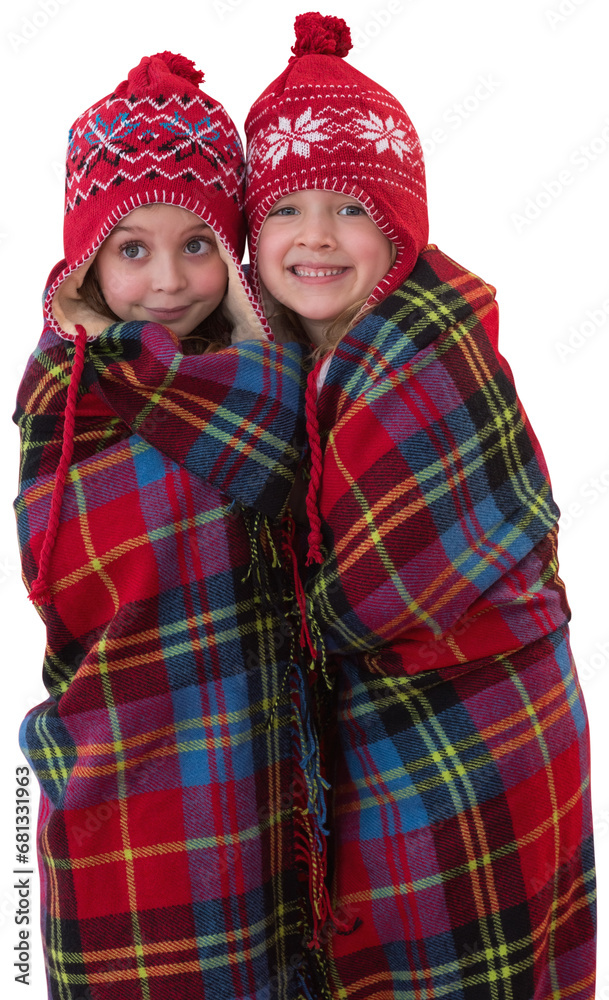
[
  {"x": 286, "y": 210},
  {"x": 198, "y": 246},
  {"x": 132, "y": 251},
  {"x": 352, "y": 210}
]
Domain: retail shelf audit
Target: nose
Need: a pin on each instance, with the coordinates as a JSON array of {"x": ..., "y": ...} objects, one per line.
[
  {"x": 316, "y": 232},
  {"x": 168, "y": 274}
]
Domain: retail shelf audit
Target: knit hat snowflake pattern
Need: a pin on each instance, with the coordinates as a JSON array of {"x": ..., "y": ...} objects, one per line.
[
  {"x": 323, "y": 124},
  {"x": 157, "y": 138}
]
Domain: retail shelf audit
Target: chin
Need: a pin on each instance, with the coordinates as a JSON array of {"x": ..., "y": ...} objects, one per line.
[{"x": 320, "y": 317}]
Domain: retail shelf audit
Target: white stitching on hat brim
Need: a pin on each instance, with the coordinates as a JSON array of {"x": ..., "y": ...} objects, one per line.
[
  {"x": 385, "y": 285},
  {"x": 68, "y": 332}
]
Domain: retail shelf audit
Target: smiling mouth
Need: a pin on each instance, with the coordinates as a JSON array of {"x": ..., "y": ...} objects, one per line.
[
  {"x": 316, "y": 272},
  {"x": 168, "y": 312}
]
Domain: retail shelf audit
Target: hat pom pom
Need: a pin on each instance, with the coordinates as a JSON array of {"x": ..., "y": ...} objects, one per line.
[
  {"x": 319, "y": 35},
  {"x": 181, "y": 66},
  {"x": 153, "y": 71}
]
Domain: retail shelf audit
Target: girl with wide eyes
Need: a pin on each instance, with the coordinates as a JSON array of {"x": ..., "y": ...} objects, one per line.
[
  {"x": 161, "y": 264},
  {"x": 458, "y": 751},
  {"x": 152, "y": 490}
]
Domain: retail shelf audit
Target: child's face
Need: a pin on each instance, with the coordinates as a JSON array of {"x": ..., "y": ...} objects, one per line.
[
  {"x": 161, "y": 264},
  {"x": 319, "y": 253}
]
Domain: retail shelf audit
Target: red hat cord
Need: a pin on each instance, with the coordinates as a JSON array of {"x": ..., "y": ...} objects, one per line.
[
  {"x": 314, "y": 554},
  {"x": 40, "y": 593}
]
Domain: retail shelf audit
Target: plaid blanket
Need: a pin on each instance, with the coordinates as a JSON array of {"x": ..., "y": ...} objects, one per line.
[
  {"x": 461, "y": 808},
  {"x": 165, "y": 751}
]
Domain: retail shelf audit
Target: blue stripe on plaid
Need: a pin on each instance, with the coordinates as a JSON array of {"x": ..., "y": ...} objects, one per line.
[
  {"x": 248, "y": 399},
  {"x": 462, "y": 818},
  {"x": 148, "y": 463},
  {"x": 168, "y": 857}
]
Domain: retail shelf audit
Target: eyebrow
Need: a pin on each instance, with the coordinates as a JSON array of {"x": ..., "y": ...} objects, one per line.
[{"x": 195, "y": 228}]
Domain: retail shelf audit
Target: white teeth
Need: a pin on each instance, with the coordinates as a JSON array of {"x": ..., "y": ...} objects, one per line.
[{"x": 300, "y": 272}]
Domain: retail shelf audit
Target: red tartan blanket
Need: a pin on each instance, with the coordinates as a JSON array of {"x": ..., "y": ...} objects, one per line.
[
  {"x": 461, "y": 807},
  {"x": 165, "y": 751}
]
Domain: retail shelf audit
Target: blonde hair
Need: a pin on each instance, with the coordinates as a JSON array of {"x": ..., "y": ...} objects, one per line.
[{"x": 211, "y": 335}]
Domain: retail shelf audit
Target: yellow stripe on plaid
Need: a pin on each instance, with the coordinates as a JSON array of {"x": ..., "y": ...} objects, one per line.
[
  {"x": 124, "y": 821},
  {"x": 244, "y": 428},
  {"x": 547, "y": 757},
  {"x": 238, "y": 936},
  {"x": 458, "y": 969},
  {"x": 480, "y": 740},
  {"x": 517, "y": 471}
]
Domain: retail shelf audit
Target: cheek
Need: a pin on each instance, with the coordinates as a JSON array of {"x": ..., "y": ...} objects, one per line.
[
  {"x": 380, "y": 256},
  {"x": 220, "y": 277},
  {"x": 211, "y": 282},
  {"x": 270, "y": 253},
  {"x": 114, "y": 283}
]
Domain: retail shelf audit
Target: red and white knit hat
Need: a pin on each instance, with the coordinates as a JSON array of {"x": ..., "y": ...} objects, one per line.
[
  {"x": 323, "y": 124},
  {"x": 156, "y": 138}
]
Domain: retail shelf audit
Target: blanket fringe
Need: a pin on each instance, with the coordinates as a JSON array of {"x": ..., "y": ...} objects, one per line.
[
  {"x": 310, "y": 809},
  {"x": 310, "y": 792},
  {"x": 264, "y": 556},
  {"x": 311, "y": 640},
  {"x": 306, "y": 657}
]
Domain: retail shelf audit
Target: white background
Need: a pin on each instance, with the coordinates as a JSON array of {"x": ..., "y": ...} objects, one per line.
[{"x": 506, "y": 97}]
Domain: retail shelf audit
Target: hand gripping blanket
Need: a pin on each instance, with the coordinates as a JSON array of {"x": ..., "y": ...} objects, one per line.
[
  {"x": 461, "y": 811},
  {"x": 165, "y": 751}
]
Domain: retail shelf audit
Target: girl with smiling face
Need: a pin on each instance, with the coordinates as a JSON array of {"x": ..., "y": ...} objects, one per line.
[
  {"x": 319, "y": 254},
  {"x": 460, "y": 814},
  {"x": 150, "y": 507}
]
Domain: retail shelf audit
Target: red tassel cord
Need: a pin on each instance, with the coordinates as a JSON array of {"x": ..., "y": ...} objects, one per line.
[
  {"x": 40, "y": 592},
  {"x": 315, "y": 536},
  {"x": 289, "y": 552}
]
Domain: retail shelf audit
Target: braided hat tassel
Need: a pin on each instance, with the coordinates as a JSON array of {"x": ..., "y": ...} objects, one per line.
[{"x": 40, "y": 591}]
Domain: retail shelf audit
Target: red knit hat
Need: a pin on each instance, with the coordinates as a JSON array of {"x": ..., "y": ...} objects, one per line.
[
  {"x": 156, "y": 138},
  {"x": 323, "y": 124}
]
